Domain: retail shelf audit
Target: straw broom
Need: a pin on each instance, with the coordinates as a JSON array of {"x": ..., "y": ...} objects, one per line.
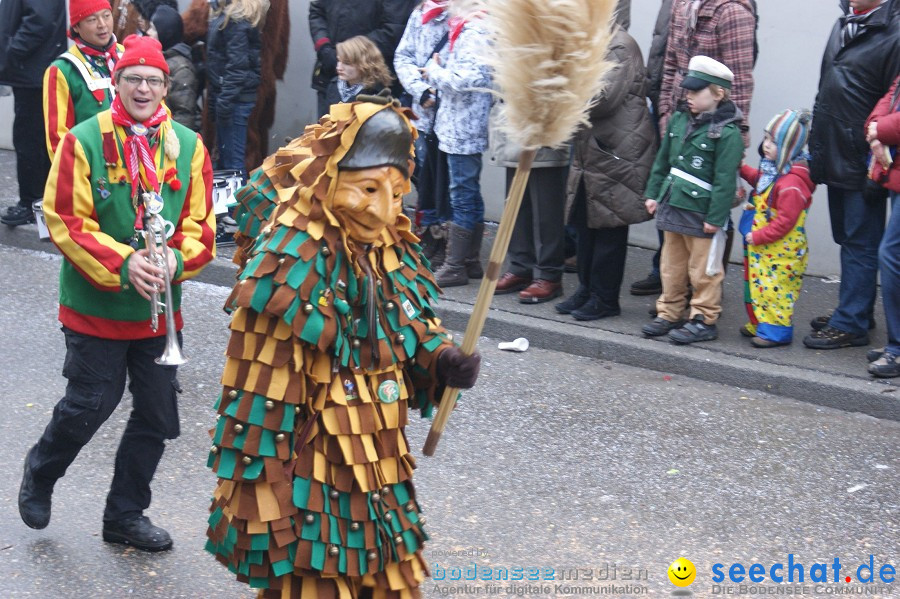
[{"x": 548, "y": 60}]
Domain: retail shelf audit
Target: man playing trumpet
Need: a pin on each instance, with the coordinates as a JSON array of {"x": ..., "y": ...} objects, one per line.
[{"x": 109, "y": 174}]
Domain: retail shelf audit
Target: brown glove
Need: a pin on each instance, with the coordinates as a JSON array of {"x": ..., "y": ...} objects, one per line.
[{"x": 455, "y": 369}]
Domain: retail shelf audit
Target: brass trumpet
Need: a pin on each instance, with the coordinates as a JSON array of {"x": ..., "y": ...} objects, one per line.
[{"x": 155, "y": 241}]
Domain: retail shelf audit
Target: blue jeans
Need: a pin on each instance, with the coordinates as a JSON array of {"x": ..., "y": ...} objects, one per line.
[
  {"x": 857, "y": 225},
  {"x": 231, "y": 138},
  {"x": 465, "y": 190},
  {"x": 889, "y": 257}
]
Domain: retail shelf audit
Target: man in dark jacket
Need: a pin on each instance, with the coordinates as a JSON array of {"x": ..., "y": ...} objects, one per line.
[
  {"x": 333, "y": 21},
  {"x": 32, "y": 34},
  {"x": 861, "y": 60}
]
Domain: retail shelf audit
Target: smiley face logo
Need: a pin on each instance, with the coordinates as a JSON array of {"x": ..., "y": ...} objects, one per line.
[{"x": 682, "y": 572}]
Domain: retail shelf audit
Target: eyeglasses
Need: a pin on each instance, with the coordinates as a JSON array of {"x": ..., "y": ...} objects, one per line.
[{"x": 136, "y": 80}]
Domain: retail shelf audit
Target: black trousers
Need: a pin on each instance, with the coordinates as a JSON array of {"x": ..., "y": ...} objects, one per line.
[
  {"x": 601, "y": 261},
  {"x": 538, "y": 243},
  {"x": 601, "y": 255},
  {"x": 96, "y": 369},
  {"x": 32, "y": 160}
]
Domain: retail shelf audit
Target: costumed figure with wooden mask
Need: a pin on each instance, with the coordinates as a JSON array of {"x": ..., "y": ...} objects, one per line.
[{"x": 333, "y": 340}]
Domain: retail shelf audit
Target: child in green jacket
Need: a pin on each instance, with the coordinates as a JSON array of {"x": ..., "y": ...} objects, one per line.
[{"x": 690, "y": 191}]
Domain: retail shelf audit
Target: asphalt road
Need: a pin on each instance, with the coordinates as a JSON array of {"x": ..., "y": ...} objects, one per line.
[{"x": 553, "y": 461}]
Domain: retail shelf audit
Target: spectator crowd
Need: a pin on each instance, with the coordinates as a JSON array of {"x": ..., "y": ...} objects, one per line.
[{"x": 661, "y": 143}]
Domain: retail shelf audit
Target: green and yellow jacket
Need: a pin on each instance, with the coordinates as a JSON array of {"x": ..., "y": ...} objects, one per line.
[{"x": 91, "y": 217}]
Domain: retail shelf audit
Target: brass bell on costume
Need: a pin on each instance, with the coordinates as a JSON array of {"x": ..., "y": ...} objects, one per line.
[
  {"x": 238, "y": 429},
  {"x": 247, "y": 460},
  {"x": 279, "y": 437},
  {"x": 270, "y": 405}
]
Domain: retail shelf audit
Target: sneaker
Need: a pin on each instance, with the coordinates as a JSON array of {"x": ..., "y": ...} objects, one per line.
[
  {"x": 575, "y": 301},
  {"x": 694, "y": 331},
  {"x": 874, "y": 354},
  {"x": 510, "y": 283},
  {"x": 17, "y": 215},
  {"x": 652, "y": 285},
  {"x": 594, "y": 309},
  {"x": 34, "y": 500},
  {"x": 820, "y": 322},
  {"x": 660, "y": 326},
  {"x": 540, "y": 291},
  {"x": 886, "y": 367},
  {"x": 832, "y": 338},
  {"x": 138, "y": 532}
]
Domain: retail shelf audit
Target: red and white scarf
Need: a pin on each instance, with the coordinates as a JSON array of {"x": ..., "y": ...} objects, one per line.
[
  {"x": 457, "y": 24},
  {"x": 137, "y": 147},
  {"x": 110, "y": 55},
  {"x": 432, "y": 9}
]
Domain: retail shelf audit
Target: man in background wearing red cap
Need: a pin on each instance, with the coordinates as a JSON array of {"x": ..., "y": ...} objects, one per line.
[
  {"x": 78, "y": 84},
  {"x": 109, "y": 172}
]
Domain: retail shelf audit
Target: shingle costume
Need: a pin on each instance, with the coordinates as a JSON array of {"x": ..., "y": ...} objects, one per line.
[{"x": 332, "y": 342}]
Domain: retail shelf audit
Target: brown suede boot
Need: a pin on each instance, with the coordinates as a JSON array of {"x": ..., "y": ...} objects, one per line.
[{"x": 453, "y": 272}]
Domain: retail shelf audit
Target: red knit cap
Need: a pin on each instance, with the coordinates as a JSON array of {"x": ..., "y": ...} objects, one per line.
[
  {"x": 142, "y": 51},
  {"x": 79, "y": 9}
]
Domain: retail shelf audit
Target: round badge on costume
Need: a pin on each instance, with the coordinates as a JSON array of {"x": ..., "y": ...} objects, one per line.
[
  {"x": 138, "y": 129},
  {"x": 154, "y": 203},
  {"x": 388, "y": 392}
]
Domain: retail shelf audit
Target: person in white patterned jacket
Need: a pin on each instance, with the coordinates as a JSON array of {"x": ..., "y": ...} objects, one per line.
[
  {"x": 462, "y": 80},
  {"x": 426, "y": 33}
]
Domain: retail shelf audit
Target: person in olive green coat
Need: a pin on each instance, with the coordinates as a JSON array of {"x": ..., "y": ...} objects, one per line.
[{"x": 691, "y": 187}]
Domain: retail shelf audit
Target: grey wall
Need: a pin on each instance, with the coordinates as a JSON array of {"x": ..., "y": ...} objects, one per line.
[{"x": 792, "y": 36}]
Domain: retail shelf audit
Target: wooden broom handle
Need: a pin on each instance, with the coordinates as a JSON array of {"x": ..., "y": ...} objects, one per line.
[{"x": 485, "y": 291}]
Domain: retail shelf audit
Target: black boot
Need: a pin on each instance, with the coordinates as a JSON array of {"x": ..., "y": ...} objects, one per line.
[
  {"x": 34, "y": 499},
  {"x": 473, "y": 259},
  {"x": 453, "y": 272},
  {"x": 575, "y": 301},
  {"x": 18, "y": 215},
  {"x": 138, "y": 532},
  {"x": 594, "y": 309}
]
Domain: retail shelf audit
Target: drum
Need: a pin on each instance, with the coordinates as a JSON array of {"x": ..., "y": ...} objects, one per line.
[
  {"x": 231, "y": 180},
  {"x": 222, "y": 196}
]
